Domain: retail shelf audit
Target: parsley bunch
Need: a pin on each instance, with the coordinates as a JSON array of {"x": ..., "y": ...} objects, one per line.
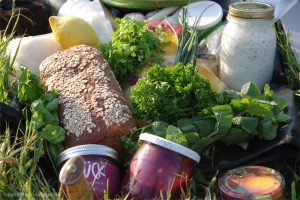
[
  {"x": 171, "y": 93},
  {"x": 132, "y": 46}
]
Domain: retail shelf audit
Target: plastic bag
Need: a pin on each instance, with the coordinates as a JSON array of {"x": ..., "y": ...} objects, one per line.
[
  {"x": 208, "y": 50},
  {"x": 92, "y": 12},
  {"x": 32, "y": 51}
]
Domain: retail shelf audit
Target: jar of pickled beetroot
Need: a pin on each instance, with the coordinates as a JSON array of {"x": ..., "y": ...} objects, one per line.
[
  {"x": 100, "y": 167},
  {"x": 251, "y": 183},
  {"x": 159, "y": 166}
]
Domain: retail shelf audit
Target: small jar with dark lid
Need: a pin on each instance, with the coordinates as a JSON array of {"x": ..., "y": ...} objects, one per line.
[
  {"x": 248, "y": 45},
  {"x": 100, "y": 167}
]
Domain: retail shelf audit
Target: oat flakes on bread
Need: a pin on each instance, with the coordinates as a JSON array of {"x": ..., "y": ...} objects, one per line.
[{"x": 91, "y": 106}]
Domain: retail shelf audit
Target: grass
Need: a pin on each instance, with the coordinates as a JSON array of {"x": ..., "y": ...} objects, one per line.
[
  {"x": 20, "y": 174},
  {"x": 292, "y": 67}
]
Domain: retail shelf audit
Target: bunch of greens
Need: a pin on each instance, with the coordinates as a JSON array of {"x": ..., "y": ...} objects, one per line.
[
  {"x": 191, "y": 37},
  {"x": 171, "y": 93},
  {"x": 248, "y": 115},
  {"x": 292, "y": 71},
  {"x": 132, "y": 46},
  {"x": 43, "y": 106}
]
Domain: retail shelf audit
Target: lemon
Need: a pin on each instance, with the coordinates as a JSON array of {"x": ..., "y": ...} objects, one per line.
[{"x": 71, "y": 31}]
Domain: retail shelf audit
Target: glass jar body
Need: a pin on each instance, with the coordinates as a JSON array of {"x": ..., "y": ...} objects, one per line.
[
  {"x": 101, "y": 168},
  {"x": 247, "y": 52},
  {"x": 155, "y": 170}
]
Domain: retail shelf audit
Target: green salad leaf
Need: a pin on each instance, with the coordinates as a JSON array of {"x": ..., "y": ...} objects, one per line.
[{"x": 132, "y": 46}]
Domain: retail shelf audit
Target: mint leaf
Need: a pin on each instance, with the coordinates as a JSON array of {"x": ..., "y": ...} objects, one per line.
[
  {"x": 268, "y": 129},
  {"x": 52, "y": 105},
  {"x": 53, "y": 134},
  {"x": 260, "y": 110},
  {"x": 37, "y": 105},
  {"x": 192, "y": 137},
  {"x": 244, "y": 145},
  {"x": 50, "y": 118},
  {"x": 159, "y": 128},
  {"x": 203, "y": 143},
  {"x": 37, "y": 120},
  {"x": 248, "y": 124},
  {"x": 283, "y": 118},
  {"x": 205, "y": 126},
  {"x": 174, "y": 134},
  {"x": 250, "y": 89},
  {"x": 235, "y": 136},
  {"x": 49, "y": 96},
  {"x": 185, "y": 124},
  {"x": 279, "y": 100},
  {"x": 224, "y": 116}
]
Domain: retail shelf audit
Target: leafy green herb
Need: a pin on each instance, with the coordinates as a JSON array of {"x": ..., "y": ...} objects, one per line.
[
  {"x": 28, "y": 87},
  {"x": 175, "y": 134},
  {"x": 249, "y": 114},
  {"x": 53, "y": 134},
  {"x": 292, "y": 67},
  {"x": 132, "y": 46},
  {"x": 170, "y": 93},
  {"x": 43, "y": 106}
]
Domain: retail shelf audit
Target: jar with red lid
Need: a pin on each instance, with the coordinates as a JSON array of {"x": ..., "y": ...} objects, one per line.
[
  {"x": 157, "y": 167},
  {"x": 100, "y": 167}
]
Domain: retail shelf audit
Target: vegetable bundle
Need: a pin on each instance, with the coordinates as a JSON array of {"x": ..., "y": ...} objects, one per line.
[
  {"x": 132, "y": 46},
  {"x": 146, "y": 4},
  {"x": 242, "y": 116},
  {"x": 171, "y": 93},
  {"x": 43, "y": 108}
]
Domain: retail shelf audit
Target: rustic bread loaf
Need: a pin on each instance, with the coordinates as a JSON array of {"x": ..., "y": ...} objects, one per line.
[{"x": 91, "y": 106}]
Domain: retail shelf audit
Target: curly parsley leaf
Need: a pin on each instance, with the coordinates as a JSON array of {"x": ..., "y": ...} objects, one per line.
[{"x": 132, "y": 46}]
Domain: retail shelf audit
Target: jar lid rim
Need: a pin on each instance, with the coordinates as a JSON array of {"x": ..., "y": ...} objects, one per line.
[
  {"x": 87, "y": 149},
  {"x": 170, "y": 145},
  {"x": 251, "y": 10}
]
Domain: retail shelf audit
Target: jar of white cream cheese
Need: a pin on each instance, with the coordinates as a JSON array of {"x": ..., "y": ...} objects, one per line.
[{"x": 248, "y": 45}]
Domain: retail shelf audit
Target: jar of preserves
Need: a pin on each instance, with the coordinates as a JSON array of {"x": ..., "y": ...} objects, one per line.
[
  {"x": 248, "y": 45},
  {"x": 252, "y": 182},
  {"x": 159, "y": 166},
  {"x": 100, "y": 167}
]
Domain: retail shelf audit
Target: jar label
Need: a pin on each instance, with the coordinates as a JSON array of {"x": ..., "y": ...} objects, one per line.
[
  {"x": 95, "y": 168},
  {"x": 99, "y": 172}
]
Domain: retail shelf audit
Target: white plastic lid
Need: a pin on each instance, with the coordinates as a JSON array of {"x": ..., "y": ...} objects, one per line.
[
  {"x": 170, "y": 145},
  {"x": 210, "y": 14}
]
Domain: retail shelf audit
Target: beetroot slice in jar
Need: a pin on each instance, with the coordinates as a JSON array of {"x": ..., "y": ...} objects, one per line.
[{"x": 159, "y": 165}]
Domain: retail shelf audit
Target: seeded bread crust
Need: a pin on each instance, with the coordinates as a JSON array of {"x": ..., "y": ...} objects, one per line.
[{"x": 92, "y": 109}]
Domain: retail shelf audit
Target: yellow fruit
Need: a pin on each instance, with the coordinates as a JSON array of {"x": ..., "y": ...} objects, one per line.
[{"x": 71, "y": 31}]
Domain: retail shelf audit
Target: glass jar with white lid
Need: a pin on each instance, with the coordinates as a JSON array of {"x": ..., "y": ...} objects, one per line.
[{"x": 248, "y": 45}]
